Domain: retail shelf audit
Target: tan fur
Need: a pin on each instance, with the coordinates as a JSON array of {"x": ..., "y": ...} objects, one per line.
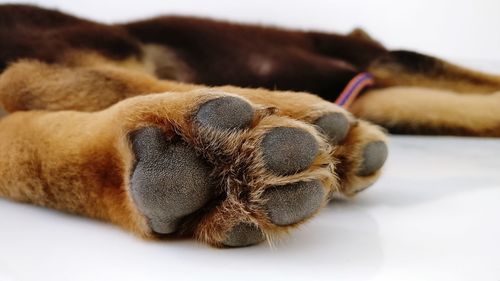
[
  {"x": 420, "y": 108},
  {"x": 93, "y": 152},
  {"x": 65, "y": 160},
  {"x": 80, "y": 162},
  {"x": 451, "y": 77},
  {"x": 118, "y": 84},
  {"x": 361, "y": 134},
  {"x": 79, "y": 58},
  {"x": 96, "y": 85},
  {"x": 32, "y": 85},
  {"x": 165, "y": 63}
]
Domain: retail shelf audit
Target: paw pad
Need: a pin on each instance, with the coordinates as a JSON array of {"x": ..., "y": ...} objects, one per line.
[
  {"x": 169, "y": 181},
  {"x": 374, "y": 156},
  {"x": 225, "y": 113},
  {"x": 334, "y": 126},
  {"x": 292, "y": 203},
  {"x": 243, "y": 234},
  {"x": 228, "y": 186},
  {"x": 288, "y": 150}
]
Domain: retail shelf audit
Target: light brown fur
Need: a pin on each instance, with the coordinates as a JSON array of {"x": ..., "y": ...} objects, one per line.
[
  {"x": 67, "y": 143},
  {"x": 22, "y": 89},
  {"x": 445, "y": 111},
  {"x": 448, "y": 77},
  {"x": 87, "y": 182},
  {"x": 80, "y": 161}
]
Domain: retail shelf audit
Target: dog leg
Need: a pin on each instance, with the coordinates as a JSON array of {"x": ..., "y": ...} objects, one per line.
[
  {"x": 359, "y": 147},
  {"x": 405, "y": 68},
  {"x": 415, "y": 110},
  {"x": 203, "y": 163}
]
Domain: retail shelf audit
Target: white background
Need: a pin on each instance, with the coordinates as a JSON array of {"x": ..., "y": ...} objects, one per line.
[
  {"x": 434, "y": 215},
  {"x": 462, "y": 29}
]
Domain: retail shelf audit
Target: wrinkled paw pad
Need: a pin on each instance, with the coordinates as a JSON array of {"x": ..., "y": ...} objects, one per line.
[
  {"x": 243, "y": 234},
  {"x": 169, "y": 181},
  {"x": 225, "y": 113},
  {"x": 334, "y": 126},
  {"x": 292, "y": 203},
  {"x": 288, "y": 150},
  {"x": 374, "y": 156},
  {"x": 230, "y": 156}
]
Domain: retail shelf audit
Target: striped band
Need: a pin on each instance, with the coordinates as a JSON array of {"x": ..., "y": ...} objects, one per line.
[{"x": 354, "y": 88}]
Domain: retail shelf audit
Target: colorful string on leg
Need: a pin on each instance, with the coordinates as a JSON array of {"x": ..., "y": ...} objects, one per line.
[{"x": 354, "y": 88}]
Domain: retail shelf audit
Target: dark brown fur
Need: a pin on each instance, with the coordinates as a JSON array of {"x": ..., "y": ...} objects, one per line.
[
  {"x": 47, "y": 35},
  {"x": 210, "y": 52},
  {"x": 220, "y": 53},
  {"x": 216, "y": 53}
]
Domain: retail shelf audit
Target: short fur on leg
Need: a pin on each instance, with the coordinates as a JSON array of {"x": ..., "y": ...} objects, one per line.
[{"x": 447, "y": 111}]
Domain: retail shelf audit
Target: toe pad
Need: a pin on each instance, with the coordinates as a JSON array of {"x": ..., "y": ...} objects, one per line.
[
  {"x": 334, "y": 125},
  {"x": 289, "y": 150},
  {"x": 289, "y": 204},
  {"x": 225, "y": 113},
  {"x": 243, "y": 234},
  {"x": 374, "y": 156}
]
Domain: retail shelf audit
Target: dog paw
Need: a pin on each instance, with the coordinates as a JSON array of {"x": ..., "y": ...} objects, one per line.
[
  {"x": 361, "y": 154},
  {"x": 221, "y": 168},
  {"x": 359, "y": 149}
]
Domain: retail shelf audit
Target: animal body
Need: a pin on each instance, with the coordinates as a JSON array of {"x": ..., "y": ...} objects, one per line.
[{"x": 218, "y": 131}]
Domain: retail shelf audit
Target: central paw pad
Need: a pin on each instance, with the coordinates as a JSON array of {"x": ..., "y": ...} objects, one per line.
[{"x": 169, "y": 181}]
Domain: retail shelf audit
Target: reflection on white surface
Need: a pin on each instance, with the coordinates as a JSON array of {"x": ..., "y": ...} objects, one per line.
[{"x": 434, "y": 215}]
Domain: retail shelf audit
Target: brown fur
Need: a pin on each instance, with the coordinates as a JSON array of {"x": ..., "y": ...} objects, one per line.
[
  {"x": 22, "y": 89},
  {"x": 47, "y": 35},
  {"x": 209, "y": 52},
  {"x": 452, "y": 113},
  {"x": 273, "y": 58},
  {"x": 115, "y": 157},
  {"x": 88, "y": 182},
  {"x": 79, "y": 161},
  {"x": 404, "y": 68}
]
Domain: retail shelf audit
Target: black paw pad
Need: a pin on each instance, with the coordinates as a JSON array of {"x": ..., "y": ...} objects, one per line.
[
  {"x": 169, "y": 181},
  {"x": 243, "y": 234},
  {"x": 335, "y": 126},
  {"x": 225, "y": 113},
  {"x": 374, "y": 156},
  {"x": 289, "y": 150},
  {"x": 292, "y": 203}
]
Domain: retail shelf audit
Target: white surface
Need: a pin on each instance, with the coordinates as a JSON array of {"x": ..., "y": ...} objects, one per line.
[
  {"x": 447, "y": 28},
  {"x": 434, "y": 215}
]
